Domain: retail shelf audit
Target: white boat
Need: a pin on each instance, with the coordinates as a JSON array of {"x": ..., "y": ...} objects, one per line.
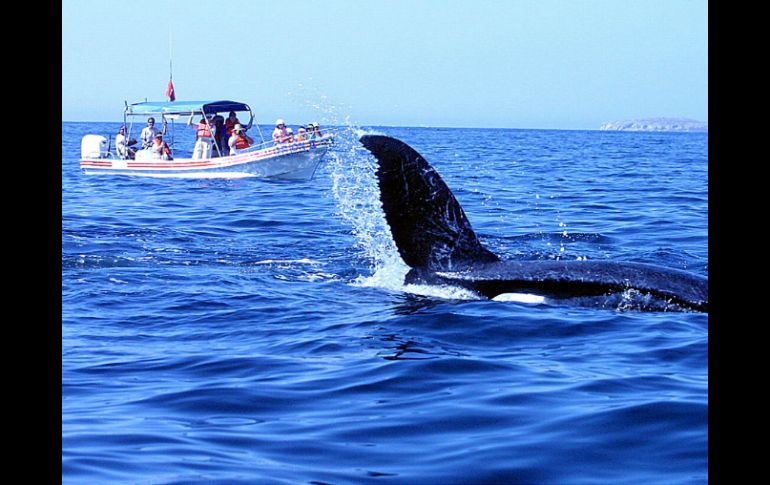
[{"x": 295, "y": 161}]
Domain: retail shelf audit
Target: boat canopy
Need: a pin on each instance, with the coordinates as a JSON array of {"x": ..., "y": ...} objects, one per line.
[
  {"x": 174, "y": 109},
  {"x": 184, "y": 107}
]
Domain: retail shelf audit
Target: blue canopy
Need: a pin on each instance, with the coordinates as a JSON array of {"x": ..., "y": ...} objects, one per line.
[{"x": 184, "y": 107}]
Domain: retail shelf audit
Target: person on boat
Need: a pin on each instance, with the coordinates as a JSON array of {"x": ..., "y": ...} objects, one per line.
[
  {"x": 148, "y": 133},
  {"x": 219, "y": 134},
  {"x": 239, "y": 140},
  {"x": 160, "y": 148},
  {"x": 203, "y": 138},
  {"x": 279, "y": 133},
  {"x": 123, "y": 145},
  {"x": 316, "y": 130},
  {"x": 301, "y": 134},
  {"x": 230, "y": 122},
  {"x": 289, "y": 136}
]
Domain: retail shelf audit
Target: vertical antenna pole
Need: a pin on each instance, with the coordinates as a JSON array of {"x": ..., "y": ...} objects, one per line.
[{"x": 170, "y": 71}]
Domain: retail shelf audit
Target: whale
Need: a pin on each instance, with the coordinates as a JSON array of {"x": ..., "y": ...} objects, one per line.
[{"x": 435, "y": 239}]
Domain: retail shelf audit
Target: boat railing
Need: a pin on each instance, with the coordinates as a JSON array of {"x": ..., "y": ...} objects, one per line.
[{"x": 326, "y": 139}]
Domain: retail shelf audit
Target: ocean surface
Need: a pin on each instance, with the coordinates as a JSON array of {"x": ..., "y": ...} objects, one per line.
[{"x": 249, "y": 331}]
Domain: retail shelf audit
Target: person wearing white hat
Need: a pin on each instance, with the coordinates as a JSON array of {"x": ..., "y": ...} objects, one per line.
[
  {"x": 279, "y": 133},
  {"x": 239, "y": 140}
]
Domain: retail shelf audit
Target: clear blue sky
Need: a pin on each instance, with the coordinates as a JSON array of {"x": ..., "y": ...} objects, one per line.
[{"x": 564, "y": 64}]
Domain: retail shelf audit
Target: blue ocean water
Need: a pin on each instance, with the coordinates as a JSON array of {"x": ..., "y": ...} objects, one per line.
[{"x": 259, "y": 332}]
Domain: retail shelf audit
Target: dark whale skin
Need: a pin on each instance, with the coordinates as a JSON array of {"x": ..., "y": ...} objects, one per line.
[{"x": 435, "y": 238}]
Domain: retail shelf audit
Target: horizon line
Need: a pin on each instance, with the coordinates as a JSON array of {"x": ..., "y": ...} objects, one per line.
[{"x": 456, "y": 127}]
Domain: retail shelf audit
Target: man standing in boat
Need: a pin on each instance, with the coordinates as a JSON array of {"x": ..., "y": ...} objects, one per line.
[
  {"x": 230, "y": 122},
  {"x": 203, "y": 137},
  {"x": 148, "y": 133}
]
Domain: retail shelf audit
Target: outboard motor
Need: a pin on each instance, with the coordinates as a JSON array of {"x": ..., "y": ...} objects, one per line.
[{"x": 93, "y": 146}]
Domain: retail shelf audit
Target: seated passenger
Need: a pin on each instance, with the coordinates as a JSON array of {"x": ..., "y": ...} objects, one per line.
[
  {"x": 160, "y": 149},
  {"x": 239, "y": 141},
  {"x": 279, "y": 133},
  {"x": 316, "y": 130},
  {"x": 289, "y": 135},
  {"x": 123, "y": 145},
  {"x": 301, "y": 134}
]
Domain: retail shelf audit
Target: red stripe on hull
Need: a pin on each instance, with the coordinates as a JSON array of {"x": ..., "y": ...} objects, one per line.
[{"x": 232, "y": 161}]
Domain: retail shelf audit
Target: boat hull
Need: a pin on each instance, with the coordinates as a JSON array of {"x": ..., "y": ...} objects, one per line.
[{"x": 296, "y": 161}]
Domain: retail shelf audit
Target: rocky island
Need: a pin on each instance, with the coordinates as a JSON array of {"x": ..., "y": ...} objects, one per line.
[{"x": 657, "y": 124}]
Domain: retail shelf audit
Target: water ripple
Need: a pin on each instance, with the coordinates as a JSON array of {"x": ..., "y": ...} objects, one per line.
[{"x": 248, "y": 331}]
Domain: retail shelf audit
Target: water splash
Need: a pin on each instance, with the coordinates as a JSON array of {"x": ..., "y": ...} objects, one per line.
[
  {"x": 356, "y": 191},
  {"x": 352, "y": 170},
  {"x": 357, "y": 196}
]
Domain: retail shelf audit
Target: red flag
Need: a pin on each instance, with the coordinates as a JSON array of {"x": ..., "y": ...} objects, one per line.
[{"x": 170, "y": 90}]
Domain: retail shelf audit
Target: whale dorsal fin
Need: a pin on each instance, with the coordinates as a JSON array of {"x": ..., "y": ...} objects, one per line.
[{"x": 427, "y": 223}]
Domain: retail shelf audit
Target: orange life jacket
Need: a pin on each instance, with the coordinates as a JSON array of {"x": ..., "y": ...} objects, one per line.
[
  {"x": 241, "y": 142},
  {"x": 203, "y": 130},
  {"x": 230, "y": 124}
]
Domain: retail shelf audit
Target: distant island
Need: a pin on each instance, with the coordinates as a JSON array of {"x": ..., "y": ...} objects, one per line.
[{"x": 657, "y": 124}]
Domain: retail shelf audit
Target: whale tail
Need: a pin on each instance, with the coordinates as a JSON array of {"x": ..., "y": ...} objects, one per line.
[
  {"x": 427, "y": 223},
  {"x": 435, "y": 238}
]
